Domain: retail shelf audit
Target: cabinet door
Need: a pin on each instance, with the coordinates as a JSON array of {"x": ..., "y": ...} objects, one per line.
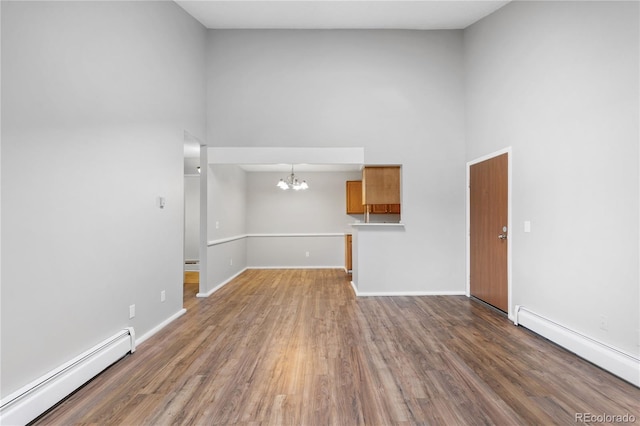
[
  {"x": 381, "y": 185},
  {"x": 354, "y": 197},
  {"x": 378, "y": 209},
  {"x": 394, "y": 208}
]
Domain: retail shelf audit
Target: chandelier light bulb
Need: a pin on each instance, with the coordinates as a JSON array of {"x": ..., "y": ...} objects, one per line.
[{"x": 283, "y": 185}]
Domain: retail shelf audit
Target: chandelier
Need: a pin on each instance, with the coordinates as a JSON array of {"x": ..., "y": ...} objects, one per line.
[{"x": 292, "y": 182}]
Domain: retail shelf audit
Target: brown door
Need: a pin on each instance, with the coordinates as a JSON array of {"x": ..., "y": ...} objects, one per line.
[{"x": 488, "y": 233}]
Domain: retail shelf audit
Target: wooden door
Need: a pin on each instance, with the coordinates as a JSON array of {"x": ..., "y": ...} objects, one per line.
[
  {"x": 488, "y": 191},
  {"x": 348, "y": 249}
]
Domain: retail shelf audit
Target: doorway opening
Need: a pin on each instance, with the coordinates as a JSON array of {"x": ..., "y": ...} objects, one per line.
[{"x": 192, "y": 202}]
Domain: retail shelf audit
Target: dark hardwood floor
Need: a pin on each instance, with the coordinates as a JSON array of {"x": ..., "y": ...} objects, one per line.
[{"x": 295, "y": 347}]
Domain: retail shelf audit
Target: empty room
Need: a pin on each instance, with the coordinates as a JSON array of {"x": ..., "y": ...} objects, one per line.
[{"x": 320, "y": 212}]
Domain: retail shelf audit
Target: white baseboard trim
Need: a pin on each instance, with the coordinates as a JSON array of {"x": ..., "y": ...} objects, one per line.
[
  {"x": 296, "y": 267},
  {"x": 291, "y": 235},
  {"x": 37, "y": 397},
  {"x": 160, "y": 326},
  {"x": 409, "y": 293},
  {"x": 616, "y": 361},
  {"x": 355, "y": 289},
  {"x": 219, "y": 286}
]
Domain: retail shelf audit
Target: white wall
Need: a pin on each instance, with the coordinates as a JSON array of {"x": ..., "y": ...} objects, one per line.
[
  {"x": 227, "y": 201},
  {"x": 191, "y": 165},
  {"x": 226, "y": 215},
  {"x": 192, "y": 211},
  {"x": 95, "y": 100},
  {"x": 255, "y": 219},
  {"x": 319, "y": 210},
  {"x": 398, "y": 94},
  {"x": 191, "y": 217},
  {"x": 558, "y": 81}
]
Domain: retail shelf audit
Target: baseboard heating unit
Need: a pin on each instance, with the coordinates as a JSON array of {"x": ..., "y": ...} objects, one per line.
[
  {"x": 32, "y": 400},
  {"x": 616, "y": 361}
]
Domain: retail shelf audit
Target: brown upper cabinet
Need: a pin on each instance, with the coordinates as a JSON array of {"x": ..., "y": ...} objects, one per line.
[
  {"x": 354, "y": 197},
  {"x": 381, "y": 185}
]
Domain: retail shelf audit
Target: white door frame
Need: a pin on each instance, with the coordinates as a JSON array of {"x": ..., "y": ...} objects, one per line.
[
  {"x": 510, "y": 232},
  {"x": 204, "y": 220}
]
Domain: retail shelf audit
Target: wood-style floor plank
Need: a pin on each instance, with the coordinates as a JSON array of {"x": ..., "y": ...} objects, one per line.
[{"x": 296, "y": 347}]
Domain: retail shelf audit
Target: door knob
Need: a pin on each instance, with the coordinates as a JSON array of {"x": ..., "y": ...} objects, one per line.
[{"x": 502, "y": 236}]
